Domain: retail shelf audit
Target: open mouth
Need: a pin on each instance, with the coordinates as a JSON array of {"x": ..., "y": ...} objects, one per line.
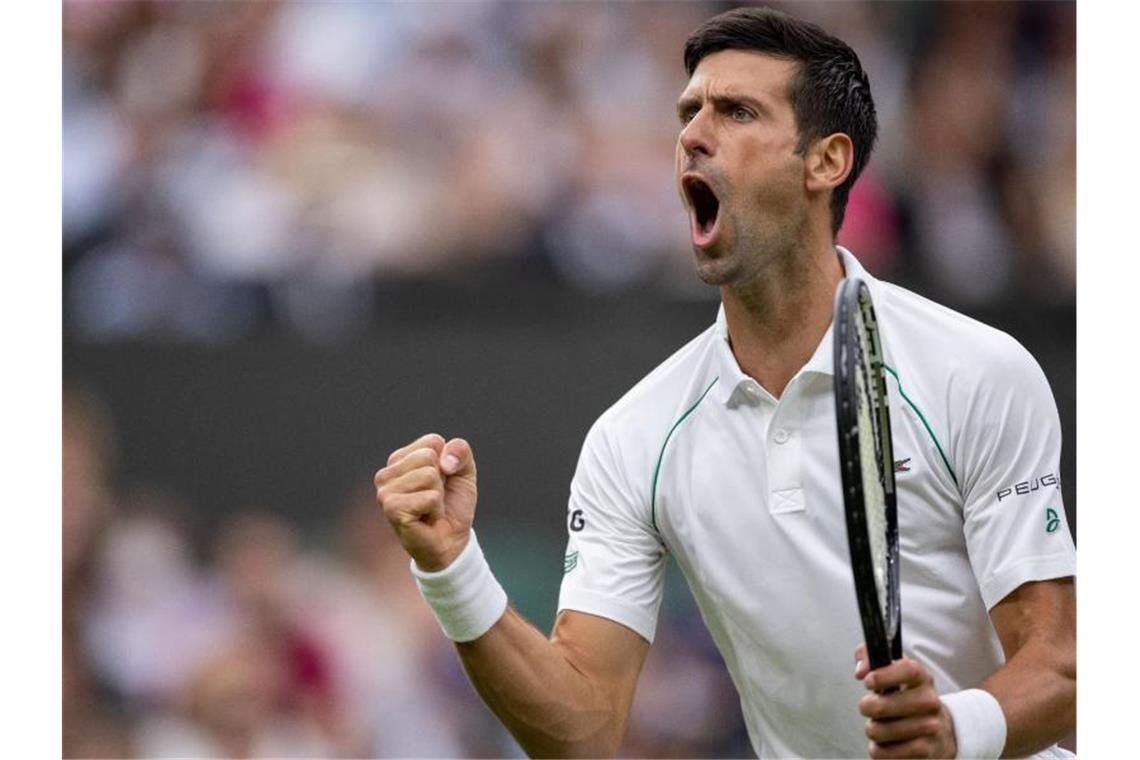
[{"x": 705, "y": 207}]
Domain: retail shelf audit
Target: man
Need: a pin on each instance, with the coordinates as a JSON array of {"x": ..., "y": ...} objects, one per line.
[{"x": 725, "y": 456}]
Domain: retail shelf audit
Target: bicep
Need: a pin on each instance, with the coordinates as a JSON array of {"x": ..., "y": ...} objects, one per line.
[
  {"x": 607, "y": 653},
  {"x": 1042, "y": 612}
]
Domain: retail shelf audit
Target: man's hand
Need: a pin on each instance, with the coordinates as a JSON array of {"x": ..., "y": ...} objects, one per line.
[
  {"x": 427, "y": 491},
  {"x": 909, "y": 721}
]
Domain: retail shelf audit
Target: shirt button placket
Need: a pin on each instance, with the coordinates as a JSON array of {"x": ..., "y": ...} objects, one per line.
[{"x": 784, "y": 469}]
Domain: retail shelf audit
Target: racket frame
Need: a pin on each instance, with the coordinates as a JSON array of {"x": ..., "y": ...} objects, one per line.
[{"x": 882, "y": 637}]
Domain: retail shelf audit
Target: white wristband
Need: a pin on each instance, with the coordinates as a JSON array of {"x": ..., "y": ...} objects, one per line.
[
  {"x": 466, "y": 598},
  {"x": 979, "y": 723}
]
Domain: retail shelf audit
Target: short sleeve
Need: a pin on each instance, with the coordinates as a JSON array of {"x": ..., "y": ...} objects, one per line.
[
  {"x": 614, "y": 564},
  {"x": 1015, "y": 524}
]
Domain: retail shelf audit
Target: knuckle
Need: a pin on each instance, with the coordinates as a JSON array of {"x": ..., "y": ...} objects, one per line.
[
  {"x": 404, "y": 518},
  {"x": 422, "y": 461},
  {"x": 427, "y": 477}
]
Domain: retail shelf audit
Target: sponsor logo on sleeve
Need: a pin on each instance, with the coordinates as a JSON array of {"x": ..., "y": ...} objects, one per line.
[
  {"x": 1052, "y": 520},
  {"x": 1029, "y": 486},
  {"x": 577, "y": 520},
  {"x": 569, "y": 562},
  {"x": 902, "y": 465}
]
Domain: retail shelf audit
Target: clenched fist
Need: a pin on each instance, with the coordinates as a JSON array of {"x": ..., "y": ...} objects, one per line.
[{"x": 427, "y": 491}]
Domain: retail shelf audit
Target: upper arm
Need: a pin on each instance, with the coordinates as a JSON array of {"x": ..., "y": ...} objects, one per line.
[
  {"x": 608, "y": 654},
  {"x": 1042, "y": 613},
  {"x": 1009, "y": 449},
  {"x": 615, "y": 559},
  {"x": 612, "y": 581}
]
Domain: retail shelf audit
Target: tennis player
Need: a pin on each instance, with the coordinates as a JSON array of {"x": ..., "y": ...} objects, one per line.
[{"x": 725, "y": 456}]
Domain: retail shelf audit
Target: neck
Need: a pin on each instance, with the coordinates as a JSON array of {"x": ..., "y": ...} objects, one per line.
[{"x": 777, "y": 319}]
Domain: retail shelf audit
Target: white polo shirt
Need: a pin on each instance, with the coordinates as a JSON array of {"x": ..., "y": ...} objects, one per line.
[{"x": 699, "y": 461}]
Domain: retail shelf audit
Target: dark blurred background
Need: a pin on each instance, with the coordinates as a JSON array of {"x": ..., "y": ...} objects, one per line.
[{"x": 297, "y": 235}]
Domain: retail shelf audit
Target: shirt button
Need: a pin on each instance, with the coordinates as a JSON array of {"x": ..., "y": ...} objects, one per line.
[{"x": 781, "y": 435}]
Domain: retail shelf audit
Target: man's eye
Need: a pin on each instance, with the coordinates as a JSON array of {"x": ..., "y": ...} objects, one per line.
[
  {"x": 687, "y": 115},
  {"x": 740, "y": 113}
]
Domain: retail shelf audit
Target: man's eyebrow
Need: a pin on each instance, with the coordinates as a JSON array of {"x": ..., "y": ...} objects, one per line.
[
  {"x": 721, "y": 100},
  {"x": 685, "y": 101}
]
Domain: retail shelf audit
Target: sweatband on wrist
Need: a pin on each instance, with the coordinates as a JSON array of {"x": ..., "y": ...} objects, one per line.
[
  {"x": 466, "y": 598},
  {"x": 979, "y": 723}
]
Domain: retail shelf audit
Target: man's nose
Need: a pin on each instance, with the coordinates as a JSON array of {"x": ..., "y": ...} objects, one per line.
[{"x": 696, "y": 136}]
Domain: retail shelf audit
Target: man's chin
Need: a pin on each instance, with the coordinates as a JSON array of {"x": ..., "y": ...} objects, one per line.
[
  {"x": 716, "y": 275},
  {"x": 715, "y": 271}
]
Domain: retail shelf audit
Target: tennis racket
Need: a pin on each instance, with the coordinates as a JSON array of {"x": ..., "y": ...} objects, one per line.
[{"x": 867, "y": 470}]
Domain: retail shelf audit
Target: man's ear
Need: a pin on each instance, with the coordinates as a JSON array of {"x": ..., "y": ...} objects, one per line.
[{"x": 828, "y": 162}]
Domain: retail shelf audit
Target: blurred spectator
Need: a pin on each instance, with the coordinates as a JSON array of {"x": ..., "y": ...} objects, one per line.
[
  {"x": 93, "y": 721},
  {"x": 266, "y": 650},
  {"x": 228, "y": 164},
  {"x": 231, "y": 710},
  {"x": 89, "y": 456},
  {"x": 151, "y": 618}
]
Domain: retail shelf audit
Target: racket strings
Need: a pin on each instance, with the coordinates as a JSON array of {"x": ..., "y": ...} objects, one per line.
[
  {"x": 868, "y": 389},
  {"x": 881, "y": 523}
]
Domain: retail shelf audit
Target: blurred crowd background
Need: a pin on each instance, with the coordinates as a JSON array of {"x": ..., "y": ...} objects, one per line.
[{"x": 297, "y": 234}]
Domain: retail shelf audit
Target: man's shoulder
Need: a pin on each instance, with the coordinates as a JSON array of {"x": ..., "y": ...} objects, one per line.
[
  {"x": 957, "y": 369},
  {"x": 932, "y": 339}
]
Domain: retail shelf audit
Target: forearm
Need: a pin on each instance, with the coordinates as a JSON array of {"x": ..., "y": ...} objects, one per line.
[
  {"x": 1037, "y": 690},
  {"x": 531, "y": 685}
]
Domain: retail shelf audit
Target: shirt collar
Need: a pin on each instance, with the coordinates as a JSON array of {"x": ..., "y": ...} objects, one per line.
[
  {"x": 736, "y": 386},
  {"x": 733, "y": 381}
]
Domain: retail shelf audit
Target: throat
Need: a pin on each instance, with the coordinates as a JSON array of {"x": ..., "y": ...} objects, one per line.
[
  {"x": 772, "y": 367},
  {"x": 776, "y": 322}
]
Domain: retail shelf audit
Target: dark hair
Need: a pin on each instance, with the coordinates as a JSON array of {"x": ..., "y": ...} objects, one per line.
[{"x": 830, "y": 92}]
